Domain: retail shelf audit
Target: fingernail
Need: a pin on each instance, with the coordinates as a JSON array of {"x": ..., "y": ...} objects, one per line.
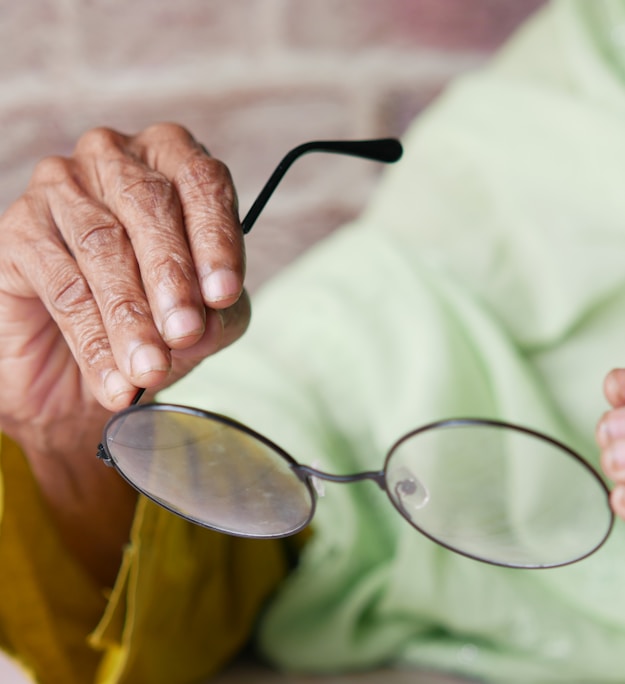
[
  {"x": 183, "y": 323},
  {"x": 147, "y": 358},
  {"x": 220, "y": 284},
  {"x": 115, "y": 384}
]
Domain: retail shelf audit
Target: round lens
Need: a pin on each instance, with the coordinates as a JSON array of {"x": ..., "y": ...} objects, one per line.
[
  {"x": 210, "y": 470},
  {"x": 499, "y": 493}
]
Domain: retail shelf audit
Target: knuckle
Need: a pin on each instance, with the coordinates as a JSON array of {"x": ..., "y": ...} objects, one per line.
[
  {"x": 166, "y": 130},
  {"x": 172, "y": 272},
  {"x": 51, "y": 170},
  {"x": 201, "y": 171},
  {"x": 68, "y": 292},
  {"x": 215, "y": 238},
  {"x": 149, "y": 192},
  {"x": 102, "y": 236},
  {"x": 208, "y": 183},
  {"x": 124, "y": 311},
  {"x": 93, "y": 348},
  {"x": 97, "y": 140}
]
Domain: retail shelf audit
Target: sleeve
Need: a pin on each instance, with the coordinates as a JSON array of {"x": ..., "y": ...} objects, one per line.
[
  {"x": 185, "y": 601},
  {"x": 47, "y": 603}
]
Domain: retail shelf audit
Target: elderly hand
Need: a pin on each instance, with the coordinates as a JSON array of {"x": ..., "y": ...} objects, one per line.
[
  {"x": 120, "y": 267},
  {"x": 611, "y": 438}
]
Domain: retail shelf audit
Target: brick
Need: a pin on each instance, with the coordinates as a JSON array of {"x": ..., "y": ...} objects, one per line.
[
  {"x": 31, "y": 37},
  {"x": 121, "y": 34},
  {"x": 250, "y": 131},
  {"x": 31, "y": 132},
  {"x": 319, "y": 193},
  {"x": 247, "y": 85},
  {"x": 371, "y": 24}
]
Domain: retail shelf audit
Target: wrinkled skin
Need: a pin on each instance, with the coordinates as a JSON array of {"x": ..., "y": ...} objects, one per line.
[{"x": 120, "y": 267}]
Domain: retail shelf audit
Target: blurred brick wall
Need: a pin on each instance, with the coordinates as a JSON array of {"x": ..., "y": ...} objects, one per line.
[{"x": 250, "y": 79}]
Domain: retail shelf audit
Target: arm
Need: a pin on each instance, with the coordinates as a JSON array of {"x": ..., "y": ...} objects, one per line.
[{"x": 120, "y": 267}]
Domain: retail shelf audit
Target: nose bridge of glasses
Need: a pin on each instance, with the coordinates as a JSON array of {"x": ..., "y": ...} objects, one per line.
[
  {"x": 407, "y": 491},
  {"x": 376, "y": 476}
]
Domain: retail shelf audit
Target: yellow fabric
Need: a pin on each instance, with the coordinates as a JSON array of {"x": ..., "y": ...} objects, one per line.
[
  {"x": 194, "y": 593},
  {"x": 46, "y": 601}
]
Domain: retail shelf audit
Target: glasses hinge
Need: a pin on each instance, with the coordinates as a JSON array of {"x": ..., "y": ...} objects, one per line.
[{"x": 103, "y": 456}]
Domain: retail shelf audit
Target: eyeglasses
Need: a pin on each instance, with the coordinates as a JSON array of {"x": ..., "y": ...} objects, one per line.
[{"x": 490, "y": 490}]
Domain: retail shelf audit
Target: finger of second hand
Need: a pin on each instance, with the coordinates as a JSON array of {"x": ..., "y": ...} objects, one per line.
[
  {"x": 223, "y": 327},
  {"x": 614, "y": 387},
  {"x": 617, "y": 500},
  {"x": 610, "y": 427}
]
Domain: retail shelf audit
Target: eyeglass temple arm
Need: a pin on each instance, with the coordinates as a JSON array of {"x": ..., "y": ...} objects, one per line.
[{"x": 386, "y": 150}]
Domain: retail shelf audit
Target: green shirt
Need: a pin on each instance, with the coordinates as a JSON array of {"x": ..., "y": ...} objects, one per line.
[{"x": 487, "y": 279}]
